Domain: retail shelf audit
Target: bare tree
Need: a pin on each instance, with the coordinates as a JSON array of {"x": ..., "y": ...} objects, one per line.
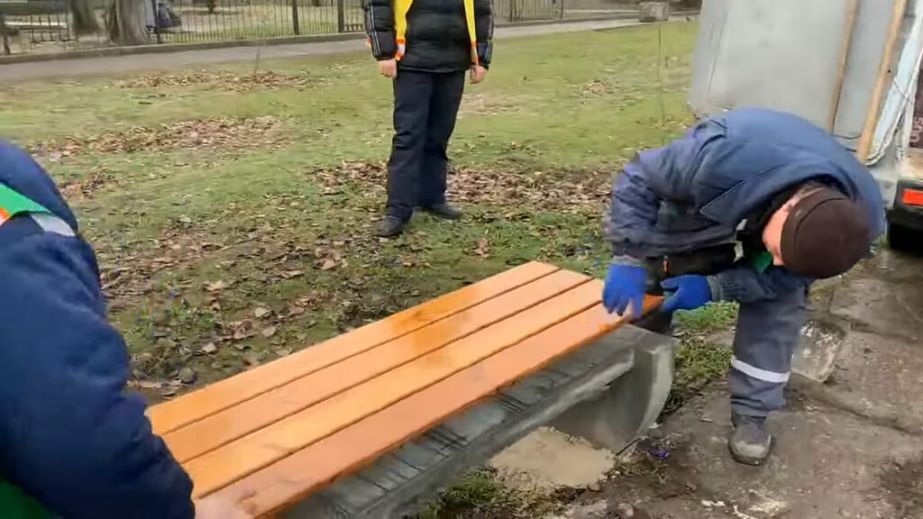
[
  {"x": 126, "y": 21},
  {"x": 85, "y": 21}
]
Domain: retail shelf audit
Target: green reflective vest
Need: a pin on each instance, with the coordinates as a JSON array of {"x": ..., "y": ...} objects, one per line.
[{"x": 14, "y": 504}]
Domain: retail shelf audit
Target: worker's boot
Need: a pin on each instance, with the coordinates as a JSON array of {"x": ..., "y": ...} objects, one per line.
[
  {"x": 390, "y": 226},
  {"x": 750, "y": 442},
  {"x": 443, "y": 210}
]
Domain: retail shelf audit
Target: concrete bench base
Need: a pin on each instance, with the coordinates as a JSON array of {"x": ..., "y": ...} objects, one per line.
[{"x": 608, "y": 392}]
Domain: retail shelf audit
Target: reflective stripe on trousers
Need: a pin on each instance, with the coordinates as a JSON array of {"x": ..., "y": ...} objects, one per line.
[{"x": 766, "y": 338}]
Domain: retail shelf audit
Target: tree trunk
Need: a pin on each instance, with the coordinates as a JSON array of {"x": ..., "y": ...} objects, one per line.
[
  {"x": 127, "y": 22},
  {"x": 85, "y": 21}
]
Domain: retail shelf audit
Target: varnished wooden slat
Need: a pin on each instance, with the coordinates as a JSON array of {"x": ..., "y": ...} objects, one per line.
[
  {"x": 292, "y": 478},
  {"x": 226, "y": 464},
  {"x": 234, "y": 422},
  {"x": 209, "y": 400}
]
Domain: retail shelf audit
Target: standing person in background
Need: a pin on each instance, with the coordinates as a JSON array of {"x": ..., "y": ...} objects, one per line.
[{"x": 425, "y": 47}]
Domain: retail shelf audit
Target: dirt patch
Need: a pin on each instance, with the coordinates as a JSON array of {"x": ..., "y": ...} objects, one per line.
[
  {"x": 904, "y": 485},
  {"x": 226, "y": 133},
  {"x": 548, "y": 459},
  {"x": 572, "y": 192},
  {"x": 483, "y": 104},
  {"x": 220, "y": 80},
  {"x": 598, "y": 88}
]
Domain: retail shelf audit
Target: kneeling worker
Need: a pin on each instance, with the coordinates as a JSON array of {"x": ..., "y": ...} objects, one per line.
[{"x": 751, "y": 206}]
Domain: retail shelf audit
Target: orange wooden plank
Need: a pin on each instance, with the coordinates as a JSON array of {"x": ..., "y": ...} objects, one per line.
[
  {"x": 234, "y": 422},
  {"x": 209, "y": 400},
  {"x": 235, "y": 460},
  {"x": 273, "y": 488}
]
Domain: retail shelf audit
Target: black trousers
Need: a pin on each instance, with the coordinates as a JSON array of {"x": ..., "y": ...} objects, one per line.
[{"x": 425, "y": 107}]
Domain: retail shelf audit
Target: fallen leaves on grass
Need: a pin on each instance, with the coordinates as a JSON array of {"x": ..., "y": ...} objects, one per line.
[
  {"x": 85, "y": 187},
  {"x": 559, "y": 191},
  {"x": 225, "y": 133},
  {"x": 221, "y": 80},
  {"x": 597, "y": 87}
]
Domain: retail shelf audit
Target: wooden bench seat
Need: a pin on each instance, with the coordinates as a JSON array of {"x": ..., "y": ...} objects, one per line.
[{"x": 268, "y": 437}]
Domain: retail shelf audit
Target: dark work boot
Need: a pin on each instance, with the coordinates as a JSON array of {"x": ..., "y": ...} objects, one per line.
[
  {"x": 750, "y": 442},
  {"x": 443, "y": 210},
  {"x": 389, "y": 227}
]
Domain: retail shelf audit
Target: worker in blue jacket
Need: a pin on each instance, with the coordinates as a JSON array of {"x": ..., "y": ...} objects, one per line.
[
  {"x": 73, "y": 443},
  {"x": 751, "y": 206}
]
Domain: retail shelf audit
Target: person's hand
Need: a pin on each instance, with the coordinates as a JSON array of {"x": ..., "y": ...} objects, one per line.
[
  {"x": 624, "y": 286},
  {"x": 388, "y": 68},
  {"x": 213, "y": 508},
  {"x": 477, "y": 74},
  {"x": 685, "y": 293}
]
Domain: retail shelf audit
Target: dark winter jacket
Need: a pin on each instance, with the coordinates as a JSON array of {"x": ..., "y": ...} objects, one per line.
[
  {"x": 698, "y": 190},
  {"x": 70, "y": 436},
  {"x": 430, "y": 35}
]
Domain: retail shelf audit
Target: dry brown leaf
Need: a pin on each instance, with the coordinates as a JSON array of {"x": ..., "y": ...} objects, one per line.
[
  {"x": 483, "y": 247},
  {"x": 328, "y": 264},
  {"x": 269, "y": 331},
  {"x": 209, "y": 348},
  {"x": 252, "y": 358},
  {"x": 216, "y": 286},
  {"x": 261, "y": 312},
  {"x": 145, "y": 384}
]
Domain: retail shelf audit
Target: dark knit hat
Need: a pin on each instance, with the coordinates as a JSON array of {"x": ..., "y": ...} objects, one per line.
[{"x": 825, "y": 234}]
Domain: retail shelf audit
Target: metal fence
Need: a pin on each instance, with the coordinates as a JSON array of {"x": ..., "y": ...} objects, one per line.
[{"x": 46, "y": 26}]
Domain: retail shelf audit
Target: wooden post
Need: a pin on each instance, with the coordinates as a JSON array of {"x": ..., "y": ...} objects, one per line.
[
  {"x": 296, "y": 23},
  {"x": 851, "y": 16},
  {"x": 341, "y": 16},
  {"x": 884, "y": 73}
]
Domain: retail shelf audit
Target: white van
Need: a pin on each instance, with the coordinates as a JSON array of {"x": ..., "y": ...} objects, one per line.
[{"x": 850, "y": 66}]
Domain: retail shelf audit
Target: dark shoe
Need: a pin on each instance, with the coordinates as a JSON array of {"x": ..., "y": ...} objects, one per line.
[
  {"x": 443, "y": 210},
  {"x": 750, "y": 442},
  {"x": 389, "y": 227}
]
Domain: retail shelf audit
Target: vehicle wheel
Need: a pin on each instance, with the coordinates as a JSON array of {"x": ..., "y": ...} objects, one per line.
[{"x": 905, "y": 239}]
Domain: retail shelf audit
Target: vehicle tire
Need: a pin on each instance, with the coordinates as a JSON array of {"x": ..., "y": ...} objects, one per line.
[{"x": 901, "y": 238}]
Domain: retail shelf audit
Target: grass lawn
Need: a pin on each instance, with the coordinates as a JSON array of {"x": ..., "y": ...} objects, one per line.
[{"x": 232, "y": 210}]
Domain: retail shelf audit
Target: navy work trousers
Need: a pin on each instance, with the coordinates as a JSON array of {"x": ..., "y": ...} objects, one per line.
[{"x": 425, "y": 107}]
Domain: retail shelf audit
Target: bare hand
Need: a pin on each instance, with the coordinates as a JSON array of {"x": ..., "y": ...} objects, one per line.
[
  {"x": 388, "y": 68},
  {"x": 477, "y": 74}
]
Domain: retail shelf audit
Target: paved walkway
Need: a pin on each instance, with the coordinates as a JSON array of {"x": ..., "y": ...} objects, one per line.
[{"x": 66, "y": 68}]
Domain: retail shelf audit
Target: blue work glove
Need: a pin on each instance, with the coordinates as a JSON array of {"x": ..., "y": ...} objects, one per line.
[
  {"x": 685, "y": 293},
  {"x": 624, "y": 284}
]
